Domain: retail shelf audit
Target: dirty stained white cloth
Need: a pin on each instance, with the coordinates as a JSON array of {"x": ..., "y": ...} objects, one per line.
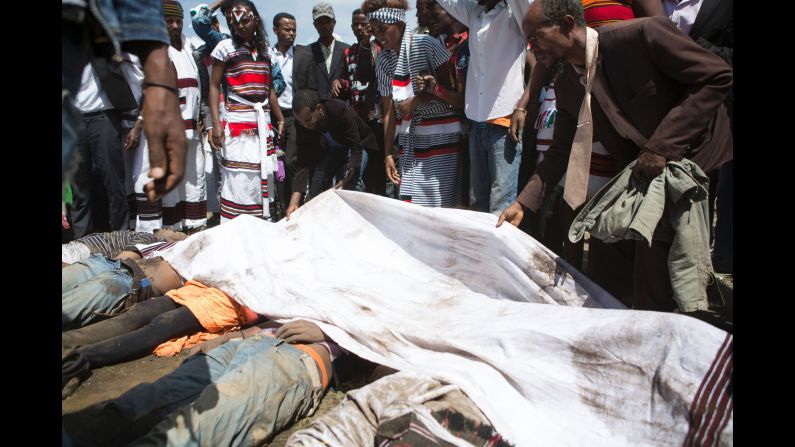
[
  {"x": 357, "y": 419},
  {"x": 443, "y": 293}
]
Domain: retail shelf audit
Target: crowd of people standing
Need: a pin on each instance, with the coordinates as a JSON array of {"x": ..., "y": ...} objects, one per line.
[{"x": 466, "y": 111}]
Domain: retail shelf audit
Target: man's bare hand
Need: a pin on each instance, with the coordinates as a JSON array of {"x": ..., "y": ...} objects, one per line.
[
  {"x": 163, "y": 125},
  {"x": 336, "y": 88},
  {"x": 133, "y": 137},
  {"x": 291, "y": 209},
  {"x": 391, "y": 171},
  {"x": 517, "y": 124},
  {"x": 520, "y": 119},
  {"x": 216, "y": 137},
  {"x": 649, "y": 165},
  {"x": 513, "y": 215},
  {"x": 300, "y": 331},
  {"x": 345, "y": 181},
  {"x": 425, "y": 83}
]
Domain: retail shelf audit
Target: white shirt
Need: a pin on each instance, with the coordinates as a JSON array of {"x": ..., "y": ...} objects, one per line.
[
  {"x": 187, "y": 76},
  {"x": 90, "y": 97},
  {"x": 285, "y": 62},
  {"x": 133, "y": 73},
  {"x": 497, "y": 45},
  {"x": 328, "y": 51},
  {"x": 682, "y": 12}
]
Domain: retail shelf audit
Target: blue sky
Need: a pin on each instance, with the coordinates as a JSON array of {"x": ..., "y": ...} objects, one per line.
[{"x": 302, "y": 10}]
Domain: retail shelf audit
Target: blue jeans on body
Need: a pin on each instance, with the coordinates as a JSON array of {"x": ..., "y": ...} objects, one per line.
[
  {"x": 240, "y": 393},
  {"x": 91, "y": 286},
  {"x": 494, "y": 172}
]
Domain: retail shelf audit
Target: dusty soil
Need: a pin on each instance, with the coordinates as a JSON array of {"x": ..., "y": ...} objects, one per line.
[{"x": 112, "y": 381}]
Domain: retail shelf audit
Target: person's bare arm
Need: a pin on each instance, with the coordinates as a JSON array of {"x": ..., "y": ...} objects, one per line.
[
  {"x": 390, "y": 123},
  {"x": 519, "y": 116},
  {"x": 295, "y": 203},
  {"x": 647, "y": 8},
  {"x": 165, "y": 132},
  {"x": 276, "y": 110},
  {"x": 529, "y": 103},
  {"x": 213, "y": 343},
  {"x": 217, "y": 132},
  {"x": 127, "y": 254}
]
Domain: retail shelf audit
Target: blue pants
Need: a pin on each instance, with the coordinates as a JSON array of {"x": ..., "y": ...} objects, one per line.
[
  {"x": 240, "y": 393},
  {"x": 91, "y": 286},
  {"x": 494, "y": 172}
]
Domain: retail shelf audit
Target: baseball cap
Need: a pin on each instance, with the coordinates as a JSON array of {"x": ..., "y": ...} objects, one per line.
[{"x": 322, "y": 9}]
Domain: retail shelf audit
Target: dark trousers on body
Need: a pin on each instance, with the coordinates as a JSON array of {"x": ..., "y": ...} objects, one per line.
[
  {"x": 99, "y": 177},
  {"x": 132, "y": 334}
]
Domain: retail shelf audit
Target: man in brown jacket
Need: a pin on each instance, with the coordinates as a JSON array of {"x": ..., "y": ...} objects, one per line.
[{"x": 656, "y": 95}]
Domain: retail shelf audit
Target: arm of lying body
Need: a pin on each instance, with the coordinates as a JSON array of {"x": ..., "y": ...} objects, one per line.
[{"x": 232, "y": 335}]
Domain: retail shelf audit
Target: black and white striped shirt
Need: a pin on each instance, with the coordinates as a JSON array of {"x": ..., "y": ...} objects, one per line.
[{"x": 110, "y": 244}]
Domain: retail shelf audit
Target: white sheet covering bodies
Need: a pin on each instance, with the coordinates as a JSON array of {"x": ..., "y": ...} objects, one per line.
[{"x": 444, "y": 293}]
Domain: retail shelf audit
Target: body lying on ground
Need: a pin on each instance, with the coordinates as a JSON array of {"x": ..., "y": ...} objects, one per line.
[
  {"x": 242, "y": 392},
  {"x": 191, "y": 309},
  {"x": 550, "y": 353}
]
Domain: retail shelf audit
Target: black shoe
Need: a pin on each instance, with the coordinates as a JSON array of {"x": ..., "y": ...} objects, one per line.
[{"x": 74, "y": 370}]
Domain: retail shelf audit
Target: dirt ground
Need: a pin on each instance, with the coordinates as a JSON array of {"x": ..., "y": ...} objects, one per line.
[{"x": 112, "y": 381}]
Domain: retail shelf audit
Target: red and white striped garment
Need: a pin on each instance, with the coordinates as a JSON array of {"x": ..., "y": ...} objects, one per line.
[
  {"x": 186, "y": 205},
  {"x": 245, "y": 184},
  {"x": 603, "y": 12},
  {"x": 713, "y": 405}
]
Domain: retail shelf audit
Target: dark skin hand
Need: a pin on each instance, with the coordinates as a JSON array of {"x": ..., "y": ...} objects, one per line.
[
  {"x": 300, "y": 331},
  {"x": 513, "y": 215},
  {"x": 649, "y": 165},
  {"x": 133, "y": 137}
]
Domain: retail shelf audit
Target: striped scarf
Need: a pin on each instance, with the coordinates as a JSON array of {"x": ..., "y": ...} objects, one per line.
[{"x": 388, "y": 15}]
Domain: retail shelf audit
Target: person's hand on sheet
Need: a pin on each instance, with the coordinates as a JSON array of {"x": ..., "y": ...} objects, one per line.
[{"x": 300, "y": 331}]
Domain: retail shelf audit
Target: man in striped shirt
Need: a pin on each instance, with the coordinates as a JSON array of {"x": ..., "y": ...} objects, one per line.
[{"x": 113, "y": 243}]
